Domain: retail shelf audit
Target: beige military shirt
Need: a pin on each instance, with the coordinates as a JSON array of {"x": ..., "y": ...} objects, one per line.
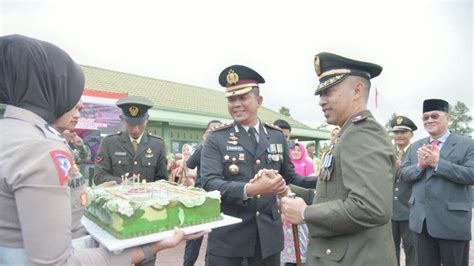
[{"x": 35, "y": 197}]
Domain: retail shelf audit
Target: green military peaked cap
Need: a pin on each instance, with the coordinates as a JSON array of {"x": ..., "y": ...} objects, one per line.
[
  {"x": 333, "y": 69},
  {"x": 402, "y": 123},
  {"x": 135, "y": 109}
]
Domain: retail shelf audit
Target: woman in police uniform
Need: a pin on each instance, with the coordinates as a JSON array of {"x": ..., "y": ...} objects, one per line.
[{"x": 40, "y": 83}]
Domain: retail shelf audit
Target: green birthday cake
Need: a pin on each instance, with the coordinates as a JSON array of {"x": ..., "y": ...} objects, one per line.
[{"x": 138, "y": 209}]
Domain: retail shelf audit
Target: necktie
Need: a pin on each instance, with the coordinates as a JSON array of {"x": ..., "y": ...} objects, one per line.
[
  {"x": 135, "y": 145},
  {"x": 253, "y": 138},
  {"x": 400, "y": 154},
  {"x": 435, "y": 143}
]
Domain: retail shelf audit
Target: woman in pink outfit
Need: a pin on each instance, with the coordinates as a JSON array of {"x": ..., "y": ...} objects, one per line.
[{"x": 303, "y": 167}]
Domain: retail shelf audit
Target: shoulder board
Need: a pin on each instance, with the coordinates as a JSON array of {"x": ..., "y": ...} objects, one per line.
[
  {"x": 114, "y": 134},
  {"x": 272, "y": 126},
  {"x": 51, "y": 133},
  {"x": 154, "y": 136},
  {"x": 221, "y": 127},
  {"x": 359, "y": 118}
]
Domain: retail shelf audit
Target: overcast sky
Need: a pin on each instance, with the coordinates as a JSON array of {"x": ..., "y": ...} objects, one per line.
[{"x": 425, "y": 47}]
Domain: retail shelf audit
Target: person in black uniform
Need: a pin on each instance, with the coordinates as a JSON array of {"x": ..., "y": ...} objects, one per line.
[
  {"x": 231, "y": 157},
  {"x": 132, "y": 151},
  {"x": 191, "y": 251},
  {"x": 402, "y": 129}
]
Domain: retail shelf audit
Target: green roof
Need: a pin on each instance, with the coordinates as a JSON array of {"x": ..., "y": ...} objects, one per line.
[{"x": 171, "y": 97}]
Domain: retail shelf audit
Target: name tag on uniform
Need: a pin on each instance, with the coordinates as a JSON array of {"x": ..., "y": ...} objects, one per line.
[
  {"x": 234, "y": 148},
  {"x": 120, "y": 153}
]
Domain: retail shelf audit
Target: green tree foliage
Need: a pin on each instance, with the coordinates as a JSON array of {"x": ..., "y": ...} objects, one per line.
[
  {"x": 285, "y": 111},
  {"x": 460, "y": 119},
  {"x": 388, "y": 125}
]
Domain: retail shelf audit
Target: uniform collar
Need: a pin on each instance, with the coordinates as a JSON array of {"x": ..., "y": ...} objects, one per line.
[
  {"x": 257, "y": 127},
  {"x": 139, "y": 138}
]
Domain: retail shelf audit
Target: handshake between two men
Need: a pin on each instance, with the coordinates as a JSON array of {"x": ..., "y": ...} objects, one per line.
[{"x": 270, "y": 182}]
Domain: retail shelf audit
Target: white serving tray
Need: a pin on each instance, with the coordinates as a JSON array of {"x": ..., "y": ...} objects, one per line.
[{"x": 117, "y": 245}]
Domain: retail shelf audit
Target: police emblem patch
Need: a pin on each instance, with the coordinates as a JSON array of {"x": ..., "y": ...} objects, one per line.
[
  {"x": 232, "y": 77},
  {"x": 63, "y": 162}
]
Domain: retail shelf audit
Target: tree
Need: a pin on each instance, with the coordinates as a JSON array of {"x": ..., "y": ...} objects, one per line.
[
  {"x": 388, "y": 125},
  {"x": 285, "y": 111},
  {"x": 460, "y": 119}
]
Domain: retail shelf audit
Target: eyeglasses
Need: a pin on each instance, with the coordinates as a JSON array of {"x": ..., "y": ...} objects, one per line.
[{"x": 434, "y": 116}]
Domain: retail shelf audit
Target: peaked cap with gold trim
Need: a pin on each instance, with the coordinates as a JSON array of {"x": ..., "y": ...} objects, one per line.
[
  {"x": 402, "y": 123},
  {"x": 239, "y": 80},
  {"x": 333, "y": 69},
  {"x": 135, "y": 109}
]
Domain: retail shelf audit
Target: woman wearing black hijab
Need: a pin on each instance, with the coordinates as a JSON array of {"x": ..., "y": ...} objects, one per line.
[{"x": 40, "y": 83}]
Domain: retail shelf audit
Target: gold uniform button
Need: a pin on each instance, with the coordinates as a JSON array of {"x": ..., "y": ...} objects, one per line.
[
  {"x": 135, "y": 163},
  {"x": 395, "y": 198},
  {"x": 149, "y": 164},
  {"x": 119, "y": 162},
  {"x": 257, "y": 161},
  {"x": 328, "y": 252},
  {"x": 257, "y": 213},
  {"x": 396, "y": 189},
  {"x": 258, "y": 196}
]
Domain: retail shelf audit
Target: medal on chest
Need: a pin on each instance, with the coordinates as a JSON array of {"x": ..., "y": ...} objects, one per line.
[{"x": 327, "y": 162}]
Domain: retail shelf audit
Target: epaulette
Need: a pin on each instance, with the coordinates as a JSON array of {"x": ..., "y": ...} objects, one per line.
[
  {"x": 114, "y": 134},
  {"x": 52, "y": 133},
  {"x": 359, "y": 118},
  {"x": 221, "y": 127},
  {"x": 272, "y": 126},
  {"x": 155, "y": 136}
]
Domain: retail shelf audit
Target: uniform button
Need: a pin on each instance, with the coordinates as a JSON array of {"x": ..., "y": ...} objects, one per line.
[
  {"x": 258, "y": 196},
  {"x": 257, "y": 213},
  {"x": 119, "y": 162},
  {"x": 257, "y": 161},
  {"x": 135, "y": 163},
  {"x": 278, "y": 211},
  {"x": 396, "y": 189},
  {"x": 149, "y": 164},
  {"x": 395, "y": 198},
  {"x": 328, "y": 252}
]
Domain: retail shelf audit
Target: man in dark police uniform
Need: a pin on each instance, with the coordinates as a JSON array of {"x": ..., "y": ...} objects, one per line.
[
  {"x": 232, "y": 155},
  {"x": 132, "y": 151}
]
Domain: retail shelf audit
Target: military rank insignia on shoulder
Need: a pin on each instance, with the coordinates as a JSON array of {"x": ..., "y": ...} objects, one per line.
[
  {"x": 155, "y": 136},
  {"x": 272, "y": 126},
  {"x": 359, "y": 118},
  {"x": 221, "y": 127}
]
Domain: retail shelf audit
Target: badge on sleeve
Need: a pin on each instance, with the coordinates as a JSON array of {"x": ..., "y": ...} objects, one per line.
[{"x": 63, "y": 162}]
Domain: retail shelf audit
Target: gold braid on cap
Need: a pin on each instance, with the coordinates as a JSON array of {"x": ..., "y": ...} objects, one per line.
[{"x": 334, "y": 72}]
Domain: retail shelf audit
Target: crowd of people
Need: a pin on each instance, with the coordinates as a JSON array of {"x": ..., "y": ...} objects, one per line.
[{"x": 356, "y": 203}]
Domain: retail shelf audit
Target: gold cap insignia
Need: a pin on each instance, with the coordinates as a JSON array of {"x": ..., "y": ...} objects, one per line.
[
  {"x": 232, "y": 77},
  {"x": 399, "y": 120},
  {"x": 317, "y": 66},
  {"x": 133, "y": 110}
]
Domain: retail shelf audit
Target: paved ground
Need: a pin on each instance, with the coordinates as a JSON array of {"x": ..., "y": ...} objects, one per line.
[{"x": 172, "y": 257}]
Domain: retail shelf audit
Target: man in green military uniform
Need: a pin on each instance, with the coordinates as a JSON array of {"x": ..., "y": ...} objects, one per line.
[
  {"x": 80, "y": 150},
  {"x": 133, "y": 151},
  {"x": 348, "y": 215},
  {"x": 231, "y": 157},
  {"x": 402, "y": 129}
]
